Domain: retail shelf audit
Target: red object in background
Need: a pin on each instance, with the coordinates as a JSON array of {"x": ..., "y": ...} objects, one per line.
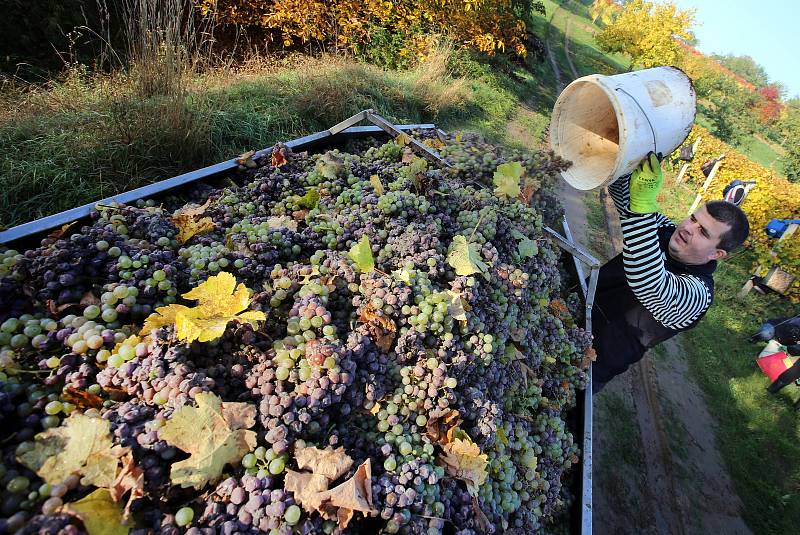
[{"x": 775, "y": 364}]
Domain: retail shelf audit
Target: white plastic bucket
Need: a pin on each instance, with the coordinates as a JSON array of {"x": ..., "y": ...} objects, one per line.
[{"x": 605, "y": 125}]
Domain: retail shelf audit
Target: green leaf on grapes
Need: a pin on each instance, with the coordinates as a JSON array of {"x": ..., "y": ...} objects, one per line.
[
  {"x": 517, "y": 235},
  {"x": 507, "y": 179},
  {"x": 464, "y": 257},
  {"x": 310, "y": 200},
  {"x": 456, "y": 306},
  {"x": 527, "y": 248},
  {"x": 100, "y": 514},
  {"x": 330, "y": 166},
  {"x": 81, "y": 444},
  {"x": 214, "y": 434},
  {"x": 403, "y": 275},
  {"x": 501, "y": 436},
  {"x": 361, "y": 254},
  {"x": 512, "y": 353}
]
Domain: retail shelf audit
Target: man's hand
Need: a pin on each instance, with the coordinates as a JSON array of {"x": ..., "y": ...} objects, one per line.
[{"x": 646, "y": 182}]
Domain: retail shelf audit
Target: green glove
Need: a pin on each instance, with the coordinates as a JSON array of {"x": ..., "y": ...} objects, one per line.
[{"x": 646, "y": 182}]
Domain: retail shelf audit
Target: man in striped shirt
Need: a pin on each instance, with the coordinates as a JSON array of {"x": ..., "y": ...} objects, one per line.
[{"x": 661, "y": 283}]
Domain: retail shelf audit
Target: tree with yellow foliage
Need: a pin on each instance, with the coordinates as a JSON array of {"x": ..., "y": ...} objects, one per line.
[
  {"x": 648, "y": 33},
  {"x": 489, "y": 26},
  {"x": 604, "y": 11}
]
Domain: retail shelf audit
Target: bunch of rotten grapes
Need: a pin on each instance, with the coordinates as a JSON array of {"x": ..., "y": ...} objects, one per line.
[{"x": 354, "y": 341}]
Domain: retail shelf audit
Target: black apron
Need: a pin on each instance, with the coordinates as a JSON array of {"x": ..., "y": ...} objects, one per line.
[{"x": 623, "y": 328}]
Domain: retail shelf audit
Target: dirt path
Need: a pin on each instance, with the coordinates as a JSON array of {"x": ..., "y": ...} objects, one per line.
[
  {"x": 567, "y": 53},
  {"x": 551, "y": 55}
]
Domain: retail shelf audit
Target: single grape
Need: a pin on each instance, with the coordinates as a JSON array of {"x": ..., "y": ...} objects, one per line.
[
  {"x": 184, "y": 516},
  {"x": 292, "y": 515}
]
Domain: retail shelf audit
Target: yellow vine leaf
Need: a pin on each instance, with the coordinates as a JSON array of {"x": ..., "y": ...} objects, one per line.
[
  {"x": 377, "y": 185},
  {"x": 219, "y": 301},
  {"x": 188, "y": 226},
  {"x": 214, "y": 433},
  {"x": 100, "y": 514},
  {"x": 80, "y": 445},
  {"x": 463, "y": 460}
]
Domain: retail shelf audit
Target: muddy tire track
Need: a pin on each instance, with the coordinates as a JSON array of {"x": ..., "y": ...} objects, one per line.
[{"x": 659, "y": 467}]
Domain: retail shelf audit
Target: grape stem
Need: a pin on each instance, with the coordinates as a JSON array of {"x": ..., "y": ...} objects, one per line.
[{"x": 478, "y": 224}]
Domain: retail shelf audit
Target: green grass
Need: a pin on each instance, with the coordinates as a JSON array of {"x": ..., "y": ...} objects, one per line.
[
  {"x": 586, "y": 54},
  {"x": 597, "y": 237},
  {"x": 86, "y": 137},
  {"x": 623, "y": 431},
  {"x": 758, "y": 434},
  {"x": 762, "y": 153}
]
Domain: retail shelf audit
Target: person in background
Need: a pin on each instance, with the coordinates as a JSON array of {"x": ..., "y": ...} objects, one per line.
[
  {"x": 781, "y": 334},
  {"x": 662, "y": 283}
]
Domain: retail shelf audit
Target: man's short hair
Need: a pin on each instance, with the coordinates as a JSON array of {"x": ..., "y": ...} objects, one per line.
[{"x": 734, "y": 217}]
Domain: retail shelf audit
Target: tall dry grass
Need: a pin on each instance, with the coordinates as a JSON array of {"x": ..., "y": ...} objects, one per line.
[{"x": 88, "y": 135}]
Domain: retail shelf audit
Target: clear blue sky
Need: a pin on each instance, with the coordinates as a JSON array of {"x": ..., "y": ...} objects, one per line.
[{"x": 766, "y": 30}]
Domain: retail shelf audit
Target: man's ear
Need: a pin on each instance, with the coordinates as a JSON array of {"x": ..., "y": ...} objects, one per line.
[{"x": 718, "y": 254}]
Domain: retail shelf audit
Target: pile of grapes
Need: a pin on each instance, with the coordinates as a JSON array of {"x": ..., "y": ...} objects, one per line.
[{"x": 354, "y": 341}]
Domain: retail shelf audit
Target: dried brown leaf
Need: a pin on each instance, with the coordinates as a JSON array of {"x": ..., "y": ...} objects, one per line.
[
  {"x": 440, "y": 429},
  {"x": 279, "y": 222},
  {"x": 278, "y": 156},
  {"x": 57, "y": 233},
  {"x": 307, "y": 488},
  {"x": 480, "y": 517},
  {"x": 214, "y": 433},
  {"x": 194, "y": 210},
  {"x": 246, "y": 159},
  {"x": 331, "y": 463},
  {"x": 89, "y": 299},
  {"x": 355, "y": 494},
  {"x": 56, "y": 309},
  {"x": 589, "y": 356},
  {"x": 130, "y": 478},
  {"x": 382, "y": 329},
  {"x": 189, "y": 226},
  {"x": 82, "y": 399},
  {"x": 99, "y": 513},
  {"x": 81, "y": 444}
]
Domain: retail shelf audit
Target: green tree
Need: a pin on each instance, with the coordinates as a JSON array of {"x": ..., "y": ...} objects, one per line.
[
  {"x": 789, "y": 127},
  {"x": 746, "y": 67},
  {"x": 649, "y": 33},
  {"x": 730, "y": 107}
]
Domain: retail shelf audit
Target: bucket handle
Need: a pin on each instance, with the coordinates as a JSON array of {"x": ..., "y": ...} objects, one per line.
[{"x": 652, "y": 130}]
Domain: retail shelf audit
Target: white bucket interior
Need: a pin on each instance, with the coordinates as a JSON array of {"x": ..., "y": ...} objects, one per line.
[{"x": 587, "y": 134}]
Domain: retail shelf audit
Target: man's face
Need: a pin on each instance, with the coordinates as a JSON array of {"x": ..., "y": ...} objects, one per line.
[{"x": 696, "y": 239}]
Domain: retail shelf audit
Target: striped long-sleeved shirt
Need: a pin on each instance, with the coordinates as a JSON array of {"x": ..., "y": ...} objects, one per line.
[{"x": 675, "y": 301}]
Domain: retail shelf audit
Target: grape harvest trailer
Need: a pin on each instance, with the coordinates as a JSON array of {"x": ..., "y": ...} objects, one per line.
[{"x": 27, "y": 234}]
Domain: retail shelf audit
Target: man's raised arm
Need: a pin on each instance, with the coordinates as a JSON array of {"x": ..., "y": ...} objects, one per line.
[{"x": 674, "y": 300}]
